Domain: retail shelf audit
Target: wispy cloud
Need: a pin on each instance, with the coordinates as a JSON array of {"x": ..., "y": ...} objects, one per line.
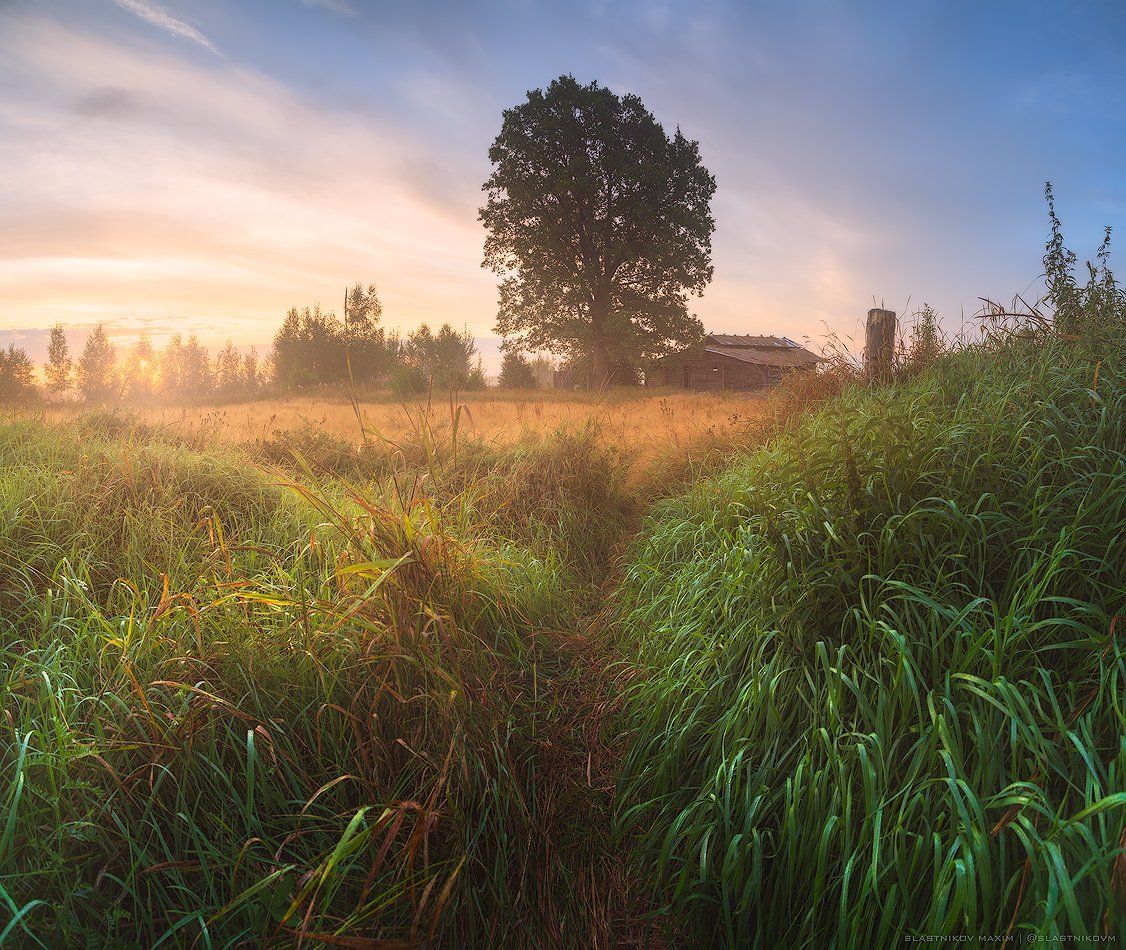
[
  {"x": 333, "y": 6},
  {"x": 162, "y": 19},
  {"x": 198, "y": 206}
]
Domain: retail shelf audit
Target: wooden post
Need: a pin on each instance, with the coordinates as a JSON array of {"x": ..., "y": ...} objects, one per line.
[{"x": 879, "y": 343}]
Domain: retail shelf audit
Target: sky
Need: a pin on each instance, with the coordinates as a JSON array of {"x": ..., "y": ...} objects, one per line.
[{"x": 203, "y": 165}]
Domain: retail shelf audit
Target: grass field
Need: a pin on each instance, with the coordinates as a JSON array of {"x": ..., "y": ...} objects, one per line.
[
  {"x": 646, "y": 422},
  {"x": 878, "y": 682},
  {"x": 840, "y": 670}
]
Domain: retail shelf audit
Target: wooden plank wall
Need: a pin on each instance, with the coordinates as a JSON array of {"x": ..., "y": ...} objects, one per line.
[{"x": 711, "y": 374}]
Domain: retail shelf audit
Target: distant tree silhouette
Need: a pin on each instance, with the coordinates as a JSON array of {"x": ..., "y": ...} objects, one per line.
[
  {"x": 599, "y": 225},
  {"x": 172, "y": 366},
  {"x": 250, "y": 374},
  {"x": 59, "y": 368},
  {"x": 97, "y": 377},
  {"x": 140, "y": 369},
  {"x": 228, "y": 375},
  {"x": 476, "y": 379},
  {"x": 366, "y": 349},
  {"x": 196, "y": 382},
  {"x": 314, "y": 347},
  {"x": 17, "y": 376},
  {"x": 286, "y": 355},
  {"x": 444, "y": 358},
  {"x": 544, "y": 369},
  {"x": 309, "y": 349},
  {"x": 516, "y": 371}
]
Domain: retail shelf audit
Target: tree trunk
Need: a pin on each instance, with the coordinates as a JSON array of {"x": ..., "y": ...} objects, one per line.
[
  {"x": 599, "y": 364},
  {"x": 599, "y": 351}
]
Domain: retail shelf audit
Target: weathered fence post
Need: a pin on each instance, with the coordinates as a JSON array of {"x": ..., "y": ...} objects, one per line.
[{"x": 879, "y": 343}]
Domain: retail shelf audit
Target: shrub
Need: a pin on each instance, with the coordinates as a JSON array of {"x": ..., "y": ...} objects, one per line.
[{"x": 408, "y": 380}]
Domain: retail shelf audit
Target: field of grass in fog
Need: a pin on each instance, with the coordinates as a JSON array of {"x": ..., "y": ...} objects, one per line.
[{"x": 499, "y": 691}]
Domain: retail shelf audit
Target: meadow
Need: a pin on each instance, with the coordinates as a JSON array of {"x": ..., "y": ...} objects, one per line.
[
  {"x": 647, "y": 423},
  {"x": 838, "y": 665}
]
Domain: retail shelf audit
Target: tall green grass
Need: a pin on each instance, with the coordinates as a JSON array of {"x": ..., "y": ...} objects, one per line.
[
  {"x": 245, "y": 707},
  {"x": 308, "y": 691},
  {"x": 877, "y": 688}
]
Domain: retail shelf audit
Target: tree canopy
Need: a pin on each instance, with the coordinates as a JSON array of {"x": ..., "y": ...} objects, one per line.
[{"x": 599, "y": 224}]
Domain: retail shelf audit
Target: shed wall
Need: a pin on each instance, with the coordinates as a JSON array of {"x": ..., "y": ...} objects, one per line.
[{"x": 714, "y": 373}]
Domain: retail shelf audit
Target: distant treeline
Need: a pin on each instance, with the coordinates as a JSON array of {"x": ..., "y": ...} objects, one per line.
[
  {"x": 183, "y": 370},
  {"x": 316, "y": 347},
  {"x": 312, "y": 348}
]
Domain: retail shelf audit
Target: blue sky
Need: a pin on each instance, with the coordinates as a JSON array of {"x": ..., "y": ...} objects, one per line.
[{"x": 201, "y": 166}]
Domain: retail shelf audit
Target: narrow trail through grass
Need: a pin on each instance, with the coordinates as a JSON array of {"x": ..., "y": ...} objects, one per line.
[{"x": 848, "y": 678}]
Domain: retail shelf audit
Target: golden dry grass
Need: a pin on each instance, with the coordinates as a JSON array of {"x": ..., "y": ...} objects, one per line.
[{"x": 647, "y": 423}]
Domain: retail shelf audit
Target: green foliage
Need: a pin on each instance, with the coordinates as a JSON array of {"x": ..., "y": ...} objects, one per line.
[
  {"x": 564, "y": 497},
  {"x": 1095, "y": 311},
  {"x": 877, "y": 687},
  {"x": 870, "y": 679},
  {"x": 313, "y": 347},
  {"x": 623, "y": 371},
  {"x": 309, "y": 349},
  {"x": 368, "y": 352},
  {"x": 476, "y": 380},
  {"x": 599, "y": 224},
  {"x": 926, "y": 338}
]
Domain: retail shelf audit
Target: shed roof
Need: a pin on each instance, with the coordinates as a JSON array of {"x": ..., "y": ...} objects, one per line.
[
  {"x": 778, "y": 351},
  {"x": 738, "y": 339},
  {"x": 781, "y": 356}
]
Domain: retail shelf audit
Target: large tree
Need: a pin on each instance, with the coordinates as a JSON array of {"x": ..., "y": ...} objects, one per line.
[{"x": 599, "y": 224}]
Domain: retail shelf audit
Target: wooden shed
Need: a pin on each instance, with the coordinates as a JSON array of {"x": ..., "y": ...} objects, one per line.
[{"x": 732, "y": 361}]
